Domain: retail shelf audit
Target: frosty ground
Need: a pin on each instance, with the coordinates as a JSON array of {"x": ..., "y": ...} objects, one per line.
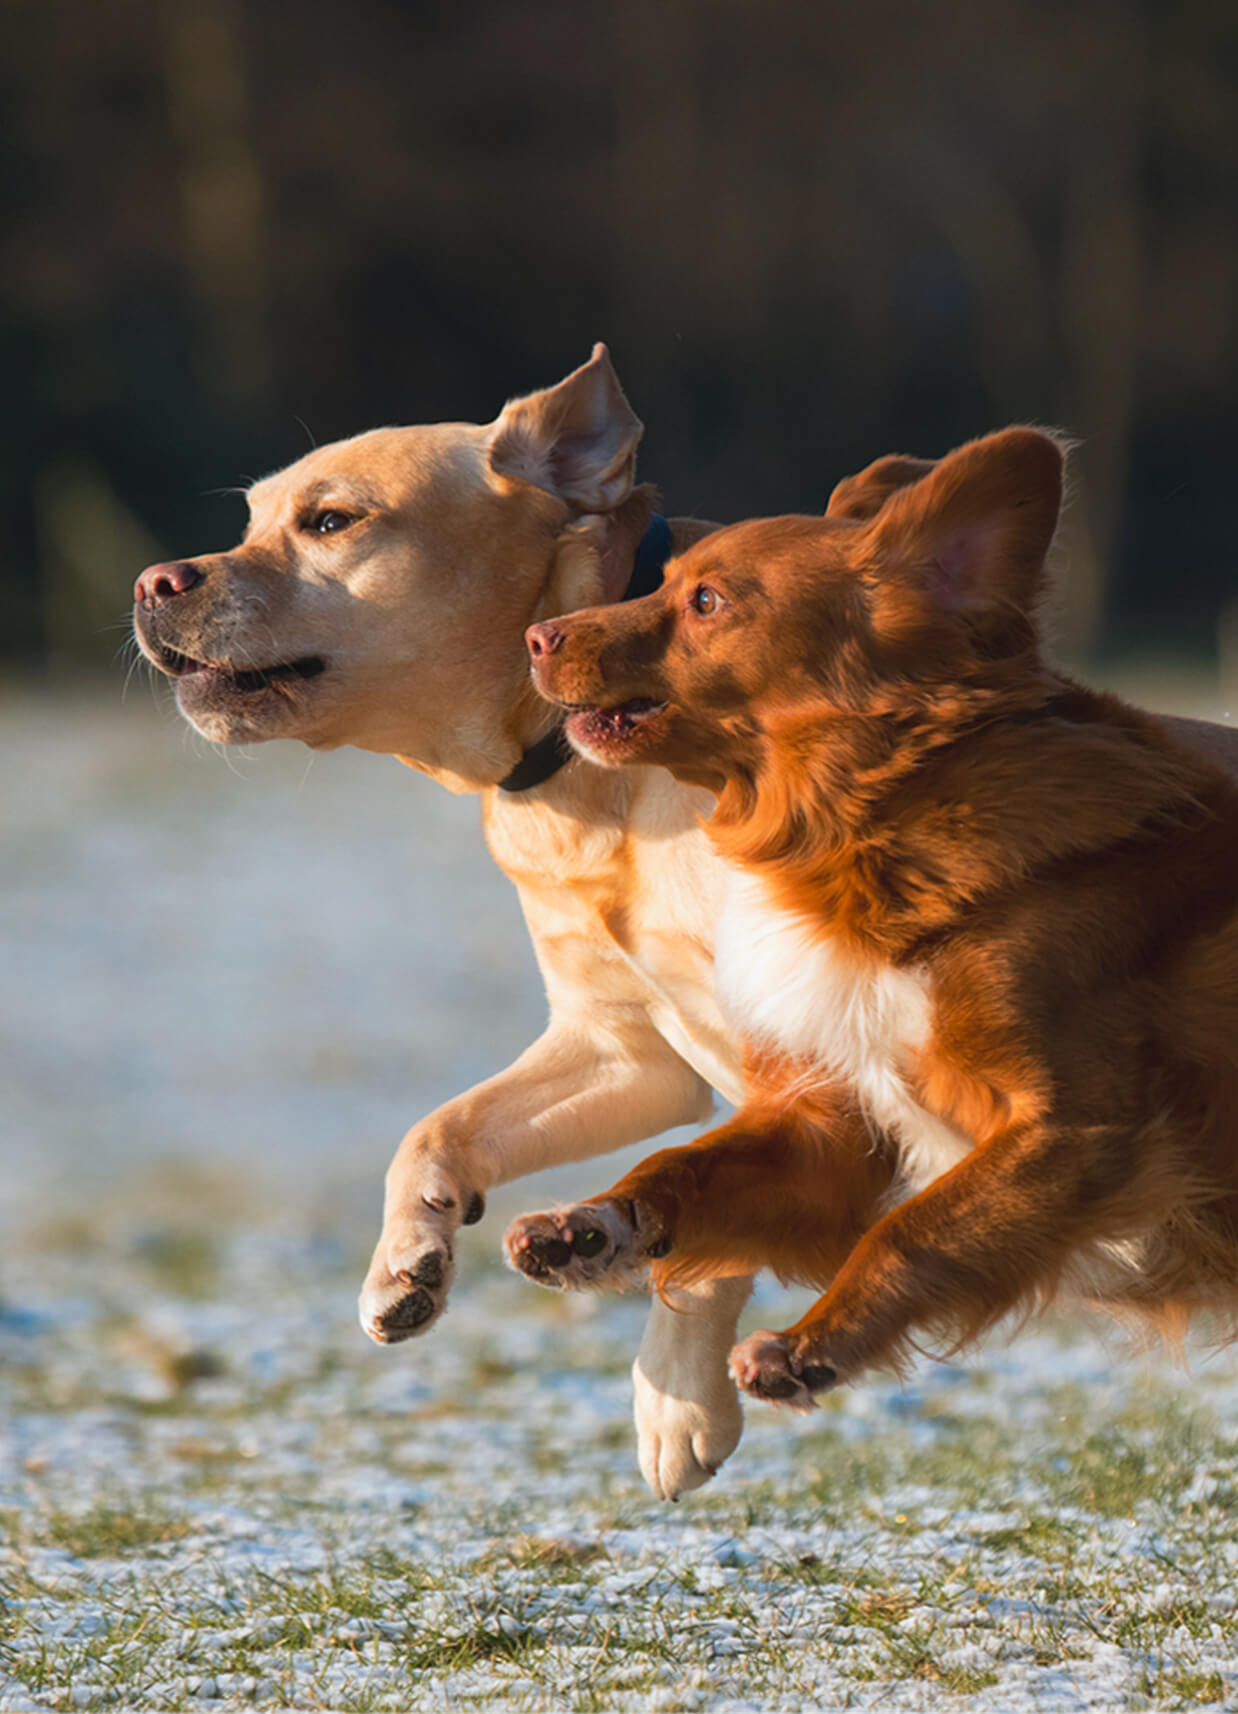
[{"x": 226, "y": 993}]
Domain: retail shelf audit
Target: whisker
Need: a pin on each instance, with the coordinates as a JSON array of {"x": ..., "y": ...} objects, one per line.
[{"x": 136, "y": 659}]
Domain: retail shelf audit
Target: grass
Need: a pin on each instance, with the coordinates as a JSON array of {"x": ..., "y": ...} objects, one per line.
[
  {"x": 102, "y": 1531},
  {"x": 298, "y": 1520},
  {"x": 183, "y": 1261}
]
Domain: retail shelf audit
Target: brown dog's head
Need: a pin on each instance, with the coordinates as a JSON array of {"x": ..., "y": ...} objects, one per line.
[
  {"x": 381, "y": 591},
  {"x": 920, "y": 577}
]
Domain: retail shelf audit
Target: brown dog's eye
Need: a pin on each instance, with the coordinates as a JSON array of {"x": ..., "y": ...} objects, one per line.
[
  {"x": 705, "y": 600},
  {"x": 329, "y": 523}
]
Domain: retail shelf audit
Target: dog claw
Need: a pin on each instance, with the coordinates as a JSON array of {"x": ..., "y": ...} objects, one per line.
[
  {"x": 765, "y": 1366},
  {"x": 429, "y": 1271},
  {"x": 473, "y": 1212}
]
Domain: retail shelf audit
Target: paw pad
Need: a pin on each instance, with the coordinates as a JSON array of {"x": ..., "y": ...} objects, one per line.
[
  {"x": 429, "y": 1271},
  {"x": 579, "y": 1246},
  {"x": 773, "y": 1384},
  {"x": 410, "y": 1312},
  {"x": 766, "y": 1366},
  {"x": 397, "y": 1304}
]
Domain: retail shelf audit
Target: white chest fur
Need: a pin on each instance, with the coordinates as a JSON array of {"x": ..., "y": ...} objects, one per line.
[{"x": 784, "y": 986}]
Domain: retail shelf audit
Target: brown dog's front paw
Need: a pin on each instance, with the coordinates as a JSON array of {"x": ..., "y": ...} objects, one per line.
[
  {"x": 591, "y": 1243},
  {"x": 767, "y": 1366}
]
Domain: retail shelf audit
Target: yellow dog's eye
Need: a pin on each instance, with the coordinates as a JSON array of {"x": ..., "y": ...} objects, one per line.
[
  {"x": 329, "y": 523},
  {"x": 705, "y": 600}
]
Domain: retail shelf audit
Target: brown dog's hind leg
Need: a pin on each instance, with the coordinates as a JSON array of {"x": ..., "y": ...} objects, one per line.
[{"x": 781, "y": 1186}]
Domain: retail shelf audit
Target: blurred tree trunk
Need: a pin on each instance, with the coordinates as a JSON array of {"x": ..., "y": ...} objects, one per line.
[
  {"x": 1099, "y": 292},
  {"x": 222, "y": 196},
  {"x": 656, "y": 183},
  {"x": 988, "y": 230}
]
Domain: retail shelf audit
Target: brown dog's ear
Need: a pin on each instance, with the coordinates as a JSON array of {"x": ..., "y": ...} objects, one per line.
[
  {"x": 971, "y": 536},
  {"x": 577, "y": 440},
  {"x": 863, "y": 495}
]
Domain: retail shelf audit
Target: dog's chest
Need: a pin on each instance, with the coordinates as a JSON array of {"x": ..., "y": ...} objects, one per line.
[
  {"x": 622, "y": 909},
  {"x": 785, "y": 986}
]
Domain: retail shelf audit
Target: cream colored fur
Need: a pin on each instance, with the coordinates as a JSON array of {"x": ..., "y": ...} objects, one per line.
[{"x": 782, "y": 985}]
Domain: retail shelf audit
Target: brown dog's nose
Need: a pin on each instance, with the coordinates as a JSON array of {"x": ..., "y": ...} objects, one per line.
[
  {"x": 160, "y": 583},
  {"x": 543, "y": 639}
]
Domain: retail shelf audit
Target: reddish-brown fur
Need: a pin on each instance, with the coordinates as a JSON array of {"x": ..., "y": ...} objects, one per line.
[{"x": 923, "y": 793}]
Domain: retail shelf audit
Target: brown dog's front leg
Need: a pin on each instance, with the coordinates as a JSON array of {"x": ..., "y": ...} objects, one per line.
[
  {"x": 781, "y": 1186},
  {"x": 986, "y": 1236}
]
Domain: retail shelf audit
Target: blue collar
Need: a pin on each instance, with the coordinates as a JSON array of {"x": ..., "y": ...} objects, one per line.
[
  {"x": 544, "y": 759},
  {"x": 656, "y": 547}
]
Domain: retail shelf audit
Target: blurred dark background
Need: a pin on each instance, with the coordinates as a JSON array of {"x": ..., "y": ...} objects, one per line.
[{"x": 810, "y": 233}]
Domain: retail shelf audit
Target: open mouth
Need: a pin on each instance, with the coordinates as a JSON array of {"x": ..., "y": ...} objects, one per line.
[
  {"x": 601, "y": 726},
  {"x": 246, "y": 680}
]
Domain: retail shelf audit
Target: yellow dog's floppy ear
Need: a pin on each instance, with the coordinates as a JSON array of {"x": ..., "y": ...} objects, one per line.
[
  {"x": 577, "y": 440},
  {"x": 971, "y": 537},
  {"x": 863, "y": 495}
]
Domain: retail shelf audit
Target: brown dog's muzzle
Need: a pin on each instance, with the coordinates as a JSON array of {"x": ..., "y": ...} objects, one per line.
[
  {"x": 601, "y": 655},
  {"x": 604, "y": 665},
  {"x": 565, "y": 655}
]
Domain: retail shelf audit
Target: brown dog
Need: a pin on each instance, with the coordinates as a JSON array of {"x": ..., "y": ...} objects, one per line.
[{"x": 981, "y": 938}]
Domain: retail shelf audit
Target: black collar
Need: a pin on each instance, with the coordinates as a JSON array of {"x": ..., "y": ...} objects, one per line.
[{"x": 543, "y": 759}]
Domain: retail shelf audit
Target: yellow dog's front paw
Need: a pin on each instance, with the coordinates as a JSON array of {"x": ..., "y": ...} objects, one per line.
[{"x": 406, "y": 1288}]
